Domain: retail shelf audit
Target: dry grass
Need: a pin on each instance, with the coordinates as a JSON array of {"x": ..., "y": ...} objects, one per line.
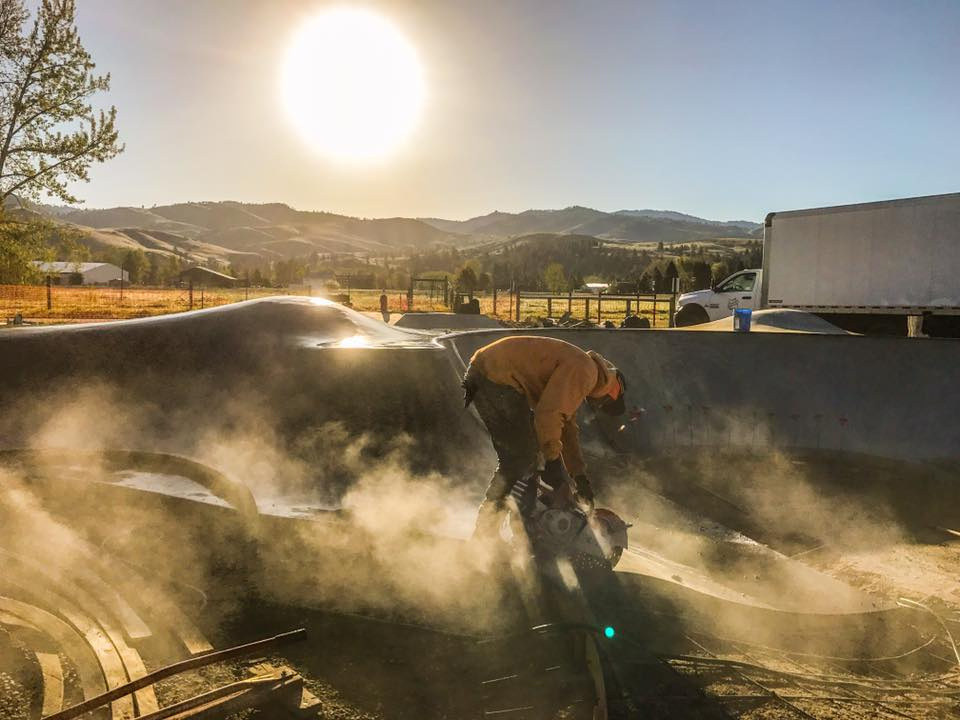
[{"x": 106, "y": 303}]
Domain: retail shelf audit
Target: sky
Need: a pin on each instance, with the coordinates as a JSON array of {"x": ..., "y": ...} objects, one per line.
[{"x": 726, "y": 110}]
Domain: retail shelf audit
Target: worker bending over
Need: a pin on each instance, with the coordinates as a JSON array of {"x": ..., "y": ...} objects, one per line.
[{"x": 527, "y": 390}]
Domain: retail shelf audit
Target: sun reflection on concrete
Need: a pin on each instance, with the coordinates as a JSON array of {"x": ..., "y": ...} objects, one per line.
[{"x": 354, "y": 341}]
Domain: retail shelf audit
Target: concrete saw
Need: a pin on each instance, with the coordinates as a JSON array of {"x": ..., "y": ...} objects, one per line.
[{"x": 561, "y": 528}]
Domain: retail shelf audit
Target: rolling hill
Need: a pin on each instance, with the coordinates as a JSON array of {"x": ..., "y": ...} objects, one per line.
[
  {"x": 246, "y": 234},
  {"x": 625, "y": 225}
]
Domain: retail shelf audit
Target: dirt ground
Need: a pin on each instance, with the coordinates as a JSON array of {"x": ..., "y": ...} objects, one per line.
[{"x": 677, "y": 653}]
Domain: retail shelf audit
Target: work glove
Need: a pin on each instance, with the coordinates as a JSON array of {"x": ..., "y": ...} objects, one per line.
[
  {"x": 584, "y": 490},
  {"x": 554, "y": 473}
]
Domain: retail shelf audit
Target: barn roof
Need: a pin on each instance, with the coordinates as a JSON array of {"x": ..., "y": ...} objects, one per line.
[{"x": 69, "y": 267}]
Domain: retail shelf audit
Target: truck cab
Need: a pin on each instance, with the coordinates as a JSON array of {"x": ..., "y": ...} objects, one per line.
[{"x": 740, "y": 290}]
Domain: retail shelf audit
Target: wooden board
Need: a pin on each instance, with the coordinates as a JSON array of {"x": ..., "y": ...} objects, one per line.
[
  {"x": 83, "y": 603},
  {"x": 50, "y": 667},
  {"x": 69, "y": 641},
  {"x": 182, "y": 627},
  {"x": 111, "y": 664}
]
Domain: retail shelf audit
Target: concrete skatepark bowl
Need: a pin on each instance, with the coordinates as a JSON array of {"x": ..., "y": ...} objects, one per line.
[{"x": 174, "y": 484}]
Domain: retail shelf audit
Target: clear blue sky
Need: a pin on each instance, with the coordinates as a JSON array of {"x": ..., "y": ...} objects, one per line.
[{"x": 721, "y": 109}]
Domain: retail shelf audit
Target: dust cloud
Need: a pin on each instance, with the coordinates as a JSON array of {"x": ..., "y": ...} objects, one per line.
[{"x": 394, "y": 545}]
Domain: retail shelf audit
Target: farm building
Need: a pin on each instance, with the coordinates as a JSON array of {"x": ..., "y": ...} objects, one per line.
[
  {"x": 202, "y": 276},
  {"x": 87, "y": 273}
]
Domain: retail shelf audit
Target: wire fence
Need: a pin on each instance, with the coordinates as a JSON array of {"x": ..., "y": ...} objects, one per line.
[
  {"x": 65, "y": 302},
  {"x": 58, "y": 302},
  {"x": 658, "y": 308},
  {"x": 92, "y": 302}
]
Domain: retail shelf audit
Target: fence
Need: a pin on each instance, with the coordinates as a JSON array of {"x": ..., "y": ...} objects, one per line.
[
  {"x": 66, "y": 302},
  {"x": 659, "y": 308}
]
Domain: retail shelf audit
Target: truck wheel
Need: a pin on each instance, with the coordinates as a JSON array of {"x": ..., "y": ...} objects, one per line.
[{"x": 690, "y": 315}]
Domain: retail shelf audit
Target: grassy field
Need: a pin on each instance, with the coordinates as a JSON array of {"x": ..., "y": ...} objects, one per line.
[
  {"x": 106, "y": 303},
  {"x": 69, "y": 303},
  {"x": 612, "y": 310}
]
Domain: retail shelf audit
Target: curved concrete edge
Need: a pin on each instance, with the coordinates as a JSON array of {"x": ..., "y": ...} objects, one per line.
[
  {"x": 446, "y": 321},
  {"x": 875, "y": 395},
  {"x": 780, "y": 320}
]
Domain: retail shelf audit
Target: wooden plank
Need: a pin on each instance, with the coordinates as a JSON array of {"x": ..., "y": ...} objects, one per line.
[
  {"x": 50, "y": 667},
  {"x": 111, "y": 664},
  {"x": 308, "y": 701},
  {"x": 52, "y": 682},
  {"x": 84, "y": 603},
  {"x": 133, "y": 625},
  {"x": 183, "y": 627},
  {"x": 72, "y": 644},
  {"x": 81, "y": 568},
  {"x": 274, "y": 694}
]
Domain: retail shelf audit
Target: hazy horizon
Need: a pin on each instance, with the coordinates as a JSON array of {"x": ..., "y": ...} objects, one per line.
[{"x": 719, "y": 111}]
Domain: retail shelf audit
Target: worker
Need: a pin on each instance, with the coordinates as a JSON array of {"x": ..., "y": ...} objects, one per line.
[
  {"x": 527, "y": 390},
  {"x": 384, "y": 307}
]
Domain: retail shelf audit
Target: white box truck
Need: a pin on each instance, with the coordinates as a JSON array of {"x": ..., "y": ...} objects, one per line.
[{"x": 863, "y": 267}]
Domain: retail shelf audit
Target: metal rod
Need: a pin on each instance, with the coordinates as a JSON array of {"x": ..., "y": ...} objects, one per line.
[{"x": 175, "y": 669}]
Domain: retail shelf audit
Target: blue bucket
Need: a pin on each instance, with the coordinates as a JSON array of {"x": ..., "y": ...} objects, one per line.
[{"x": 741, "y": 319}]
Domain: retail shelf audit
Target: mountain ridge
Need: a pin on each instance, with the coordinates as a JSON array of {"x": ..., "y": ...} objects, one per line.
[{"x": 249, "y": 233}]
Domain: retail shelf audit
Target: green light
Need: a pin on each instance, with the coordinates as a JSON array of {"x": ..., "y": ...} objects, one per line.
[{"x": 609, "y": 631}]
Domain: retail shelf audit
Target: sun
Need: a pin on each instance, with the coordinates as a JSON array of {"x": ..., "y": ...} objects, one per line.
[{"x": 352, "y": 84}]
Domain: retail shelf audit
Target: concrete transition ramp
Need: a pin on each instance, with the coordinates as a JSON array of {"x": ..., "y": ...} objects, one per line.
[
  {"x": 295, "y": 394},
  {"x": 892, "y": 397},
  {"x": 782, "y": 320},
  {"x": 446, "y": 321}
]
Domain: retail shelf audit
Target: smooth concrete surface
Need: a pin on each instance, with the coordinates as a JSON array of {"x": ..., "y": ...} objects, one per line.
[
  {"x": 289, "y": 365},
  {"x": 324, "y": 393},
  {"x": 778, "y": 320},
  {"x": 892, "y": 397},
  {"x": 306, "y": 385},
  {"x": 445, "y": 321}
]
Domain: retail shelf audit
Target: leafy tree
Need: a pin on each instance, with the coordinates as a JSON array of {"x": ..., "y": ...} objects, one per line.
[
  {"x": 69, "y": 248},
  {"x": 466, "y": 280},
  {"x": 137, "y": 266},
  {"x": 484, "y": 281},
  {"x": 20, "y": 244},
  {"x": 49, "y": 132},
  {"x": 555, "y": 278}
]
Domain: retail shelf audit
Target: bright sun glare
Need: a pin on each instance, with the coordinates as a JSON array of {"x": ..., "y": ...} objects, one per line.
[{"x": 352, "y": 84}]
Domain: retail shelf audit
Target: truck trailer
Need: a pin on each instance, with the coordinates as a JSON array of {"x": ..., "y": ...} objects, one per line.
[{"x": 865, "y": 267}]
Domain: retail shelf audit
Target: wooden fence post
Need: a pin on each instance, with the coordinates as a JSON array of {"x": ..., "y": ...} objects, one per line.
[
  {"x": 549, "y": 307},
  {"x": 586, "y": 309},
  {"x": 191, "y": 294},
  {"x": 599, "y": 311},
  {"x": 518, "y": 305},
  {"x": 570, "y": 302},
  {"x": 494, "y": 300},
  {"x": 673, "y": 300},
  {"x": 49, "y": 292}
]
